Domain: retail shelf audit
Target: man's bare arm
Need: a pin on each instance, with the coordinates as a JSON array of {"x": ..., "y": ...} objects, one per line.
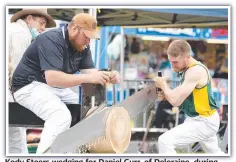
[
  {"x": 87, "y": 71},
  {"x": 180, "y": 93},
  {"x": 113, "y": 75},
  {"x": 63, "y": 80}
]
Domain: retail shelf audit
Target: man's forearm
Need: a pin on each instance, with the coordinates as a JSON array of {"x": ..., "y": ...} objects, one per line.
[
  {"x": 171, "y": 97},
  {"x": 88, "y": 71},
  {"x": 63, "y": 80}
]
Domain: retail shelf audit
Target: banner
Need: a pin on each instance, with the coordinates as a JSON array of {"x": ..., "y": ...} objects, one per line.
[{"x": 188, "y": 33}]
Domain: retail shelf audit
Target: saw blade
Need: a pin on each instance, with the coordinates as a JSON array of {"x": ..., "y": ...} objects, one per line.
[
  {"x": 80, "y": 134},
  {"x": 139, "y": 102},
  {"x": 93, "y": 127}
]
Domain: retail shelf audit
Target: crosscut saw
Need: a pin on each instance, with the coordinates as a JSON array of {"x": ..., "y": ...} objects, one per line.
[{"x": 88, "y": 129}]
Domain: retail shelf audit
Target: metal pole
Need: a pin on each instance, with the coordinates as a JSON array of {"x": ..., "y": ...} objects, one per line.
[
  {"x": 93, "y": 12},
  {"x": 122, "y": 65},
  {"x": 98, "y": 53}
]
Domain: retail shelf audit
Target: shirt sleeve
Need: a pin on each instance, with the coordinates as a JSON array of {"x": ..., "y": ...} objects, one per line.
[
  {"x": 50, "y": 53},
  {"x": 16, "y": 47},
  {"x": 87, "y": 61}
]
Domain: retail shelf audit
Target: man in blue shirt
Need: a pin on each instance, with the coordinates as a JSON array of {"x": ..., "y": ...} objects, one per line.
[{"x": 42, "y": 79}]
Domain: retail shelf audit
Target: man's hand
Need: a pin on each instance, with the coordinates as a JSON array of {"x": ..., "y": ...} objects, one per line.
[
  {"x": 98, "y": 77},
  {"x": 114, "y": 77},
  {"x": 160, "y": 96},
  {"x": 160, "y": 82}
]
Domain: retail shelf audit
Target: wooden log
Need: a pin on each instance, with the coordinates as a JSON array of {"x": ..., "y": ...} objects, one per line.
[
  {"x": 107, "y": 131},
  {"x": 117, "y": 133}
]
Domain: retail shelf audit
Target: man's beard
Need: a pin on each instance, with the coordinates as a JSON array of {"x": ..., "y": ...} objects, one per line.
[
  {"x": 76, "y": 46},
  {"x": 175, "y": 69}
]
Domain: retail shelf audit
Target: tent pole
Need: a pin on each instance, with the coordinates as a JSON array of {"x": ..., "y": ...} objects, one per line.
[
  {"x": 122, "y": 65},
  {"x": 93, "y": 12}
]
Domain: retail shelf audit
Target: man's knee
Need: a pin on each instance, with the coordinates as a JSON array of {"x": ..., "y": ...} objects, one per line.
[
  {"x": 65, "y": 118},
  {"x": 61, "y": 118}
]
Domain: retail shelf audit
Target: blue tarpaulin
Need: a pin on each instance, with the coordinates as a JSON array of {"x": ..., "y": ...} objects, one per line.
[
  {"x": 219, "y": 12},
  {"x": 166, "y": 17}
]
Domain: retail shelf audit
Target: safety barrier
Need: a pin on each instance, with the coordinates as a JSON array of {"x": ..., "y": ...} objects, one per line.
[{"x": 219, "y": 89}]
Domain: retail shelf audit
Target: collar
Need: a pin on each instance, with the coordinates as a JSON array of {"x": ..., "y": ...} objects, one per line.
[
  {"x": 66, "y": 33},
  {"x": 193, "y": 64},
  {"x": 24, "y": 25}
]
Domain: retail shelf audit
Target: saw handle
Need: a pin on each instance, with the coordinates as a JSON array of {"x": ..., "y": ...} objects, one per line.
[
  {"x": 158, "y": 90},
  {"x": 107, "y": 69},
  {"x": 113, "y": 87}
]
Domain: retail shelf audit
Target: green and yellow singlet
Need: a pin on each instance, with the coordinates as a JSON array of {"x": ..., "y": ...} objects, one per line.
[{"x": 200, "y": 102}]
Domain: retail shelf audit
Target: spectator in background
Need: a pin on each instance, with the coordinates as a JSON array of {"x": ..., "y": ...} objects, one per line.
[
  {"x": 152, "y": 59},
  {"x": 126, "y": 47},
  {"x": 221, "y": 71},
  {"x": 25, "y": 26},
  {"x": 114, "y": 50},
  {"x": 165, "y": 67},
  {"x": 164, "y": 63},
  {"x": 161, "y": 117},
  {"x": 154, "y": 56},
  {"x": 135, "y": 46}
]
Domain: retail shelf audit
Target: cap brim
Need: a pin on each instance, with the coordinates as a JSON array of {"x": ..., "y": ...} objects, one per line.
[{"x": 91, "y": 34}]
